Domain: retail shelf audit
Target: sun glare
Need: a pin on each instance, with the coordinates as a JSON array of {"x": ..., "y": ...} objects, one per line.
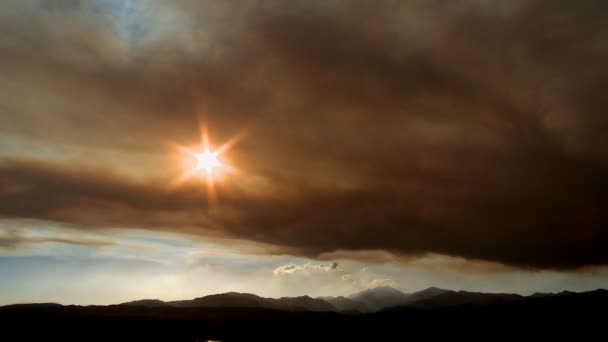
[
  {"x": 207, "y": 161},
  {"x": 204, "y": 161}
]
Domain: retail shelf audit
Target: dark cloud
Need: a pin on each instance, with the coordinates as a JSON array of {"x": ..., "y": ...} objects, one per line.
[
  {"x": 469, "y": 128},
  {"x": 96, "y": 198}
]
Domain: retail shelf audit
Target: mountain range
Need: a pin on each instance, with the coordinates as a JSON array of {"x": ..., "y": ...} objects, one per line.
[
  {"x": 367, "y": 301},
  {"x": 382, "y": 313}
]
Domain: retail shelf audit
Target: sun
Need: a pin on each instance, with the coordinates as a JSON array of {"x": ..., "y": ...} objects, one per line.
[
  {"x": 207, "y": 161},
  {"x": 204, "y": 161}
]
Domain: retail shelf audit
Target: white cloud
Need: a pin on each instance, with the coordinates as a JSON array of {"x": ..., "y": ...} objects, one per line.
[
  {"x": 291, "y": 268},
  {"x": 287, "y": 269}
]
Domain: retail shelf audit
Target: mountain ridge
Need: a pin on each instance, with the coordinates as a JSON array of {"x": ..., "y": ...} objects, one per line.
[
  {"x": 133, "y": 321},
  {"x": 366, "y": 301}
]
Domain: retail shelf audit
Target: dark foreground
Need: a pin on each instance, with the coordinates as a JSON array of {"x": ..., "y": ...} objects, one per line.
[{"x": 577, "y": 316}]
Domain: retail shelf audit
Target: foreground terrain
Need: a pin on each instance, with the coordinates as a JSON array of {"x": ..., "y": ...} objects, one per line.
[{"x": 369, "y": 315}]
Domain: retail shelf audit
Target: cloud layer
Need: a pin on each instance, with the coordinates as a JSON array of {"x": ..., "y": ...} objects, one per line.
[{"x": 471, "y": 129}]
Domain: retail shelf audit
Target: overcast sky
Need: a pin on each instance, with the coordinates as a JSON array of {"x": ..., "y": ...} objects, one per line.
[{"x": 457, "y": 144}]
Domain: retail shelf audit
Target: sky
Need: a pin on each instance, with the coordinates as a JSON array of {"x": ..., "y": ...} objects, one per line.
[{"x": 415, "y": 143}]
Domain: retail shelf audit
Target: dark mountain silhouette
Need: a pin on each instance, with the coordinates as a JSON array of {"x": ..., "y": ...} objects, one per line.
[
  {"x": 148, "y": 303},
  {"x": 376, "y": 299},
  {"x": 425, "y": 294},
  {"x": 540, "y": 294},
  {"x": 226, "y": 300},
  {"x": 32, "y": 305},
  {"x": 451, "y": 298},
  {"x": 379, "y": 298},
  {"x": 305, "y": 303},
  {"x": 244, "y": 300},
  {"x": 368, "y": 301},
  {"x": 549, "y": 294},
  {"x": 564, "y": 293},
  {"x": 223, "y": 317},
  {"x": 344, "y": 304}
]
